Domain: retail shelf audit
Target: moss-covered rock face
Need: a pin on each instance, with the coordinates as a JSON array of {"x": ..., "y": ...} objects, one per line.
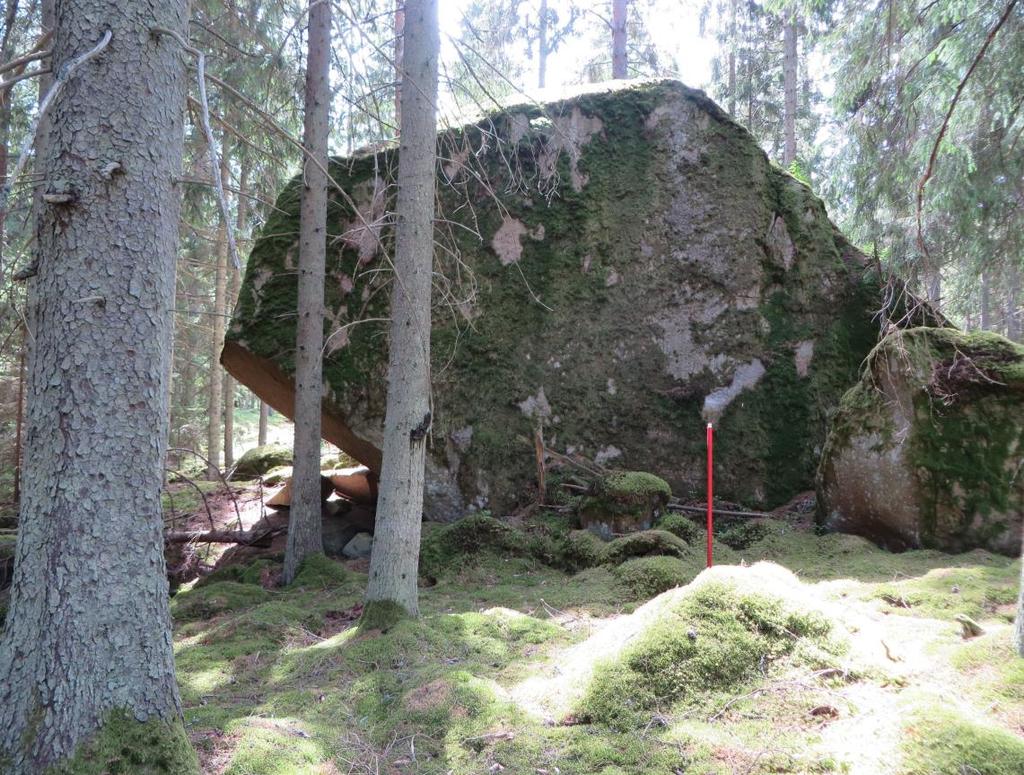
[
  {"x": 620, "y": 267},
  {"x": 927, "y": 449},
  {"x": 260, "y": 460}
]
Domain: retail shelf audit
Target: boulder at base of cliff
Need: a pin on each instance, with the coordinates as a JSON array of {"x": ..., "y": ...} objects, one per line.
[
  {"x": 927, "y": 450},
  {"x": 624, "y": 502}
]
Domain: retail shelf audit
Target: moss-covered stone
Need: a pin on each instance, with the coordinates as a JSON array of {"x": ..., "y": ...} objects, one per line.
[
  {"x": 940, "y": 741},
  {"x": 320, "y": 572},
  {"x": 447, "y": 547},
  {"x": 203, "y": 602},
  {"x": 646, "y": 577},
  {"x": 624, "y": 501},
  {"x": 644, "y": 544},
  {"x": 259, "y": 460},
  {"x": 925, "y": 450},
  {"x": 125, "y": 746},
  {"x": 623, "y": 267},
  {"x": 682, "y": 527},
  {"x": 581, "y": 549}
]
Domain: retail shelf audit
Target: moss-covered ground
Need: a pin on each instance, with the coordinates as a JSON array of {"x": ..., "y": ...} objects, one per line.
[{"x": 523, "y": 662}]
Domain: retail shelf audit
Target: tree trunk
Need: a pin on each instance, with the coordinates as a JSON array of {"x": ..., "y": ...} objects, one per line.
[
  {"x": 1012, "y": 299},
  {"x": 732, "y": 58},
  {"x": 19, "y": 416},
  {"x": 261, "y": 437},
  {"x": 619, "y": 38},
  {"x": 986, "y": 303},
  {"x": 304, "y": 527},
  {"x": 235, "y": 279},
  {"x": 393, "y": 564},
  {"x": 88, "y": 644},
  {"x": 399, "y": 56},
  {"x": 215, "y": 396},
  {"x": 789, "y": 77},
  {"x": 542, "y": 45}
]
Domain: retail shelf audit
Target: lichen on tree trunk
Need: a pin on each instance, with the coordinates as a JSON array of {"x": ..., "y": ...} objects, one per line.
[{"x": 88, "y": 629}]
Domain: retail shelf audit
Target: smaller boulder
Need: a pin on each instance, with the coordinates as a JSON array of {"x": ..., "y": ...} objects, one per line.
[
  {"x": 359, "y": 546},
  {"x": 259, "y": 460},
  {"x": 927, "y": 449},
  {"x": 624, "y": 502}
]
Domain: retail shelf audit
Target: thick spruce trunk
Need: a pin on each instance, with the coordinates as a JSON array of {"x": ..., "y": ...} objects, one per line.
[
  {"x": 304, "y": 528},
  {"x": 393, "y": 564},
  {"x": 87, "y": 647}
]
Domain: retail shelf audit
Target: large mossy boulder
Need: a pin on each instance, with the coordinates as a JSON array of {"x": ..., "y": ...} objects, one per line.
[
  {"x": 624, "y": 502},
  {"x": 619, "y": 267},
  {"x": 927, "y": 450}
]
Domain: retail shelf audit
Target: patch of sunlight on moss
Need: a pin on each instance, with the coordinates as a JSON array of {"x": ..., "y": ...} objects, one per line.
[
  {"x": 941, "y": 741},
  {"x": 717, "y": 634},
  {"x": 980, "y": 591},
  {"x": 275, "y": 747},
  {"x": 993, "y": 666},
  {"x": 207, "y": 600}
]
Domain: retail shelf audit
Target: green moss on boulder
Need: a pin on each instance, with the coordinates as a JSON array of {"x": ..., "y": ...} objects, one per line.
[
  {"x": 940, "y": 741},
  {"x": 259, "y": 460},
  {"x": 924, "y": 451},
  {"x": 646, "y": 270},
  {"x": 624, "y": 501},
  {"x": 683, "y": 528},
  {"x": 645, "y": 544}
]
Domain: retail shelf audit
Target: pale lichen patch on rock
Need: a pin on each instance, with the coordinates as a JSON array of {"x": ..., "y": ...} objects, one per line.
[
  {"x": 507, "y": 240},
  {"x": 746, "y": 377},
  {"x": 803, "y": 353}
]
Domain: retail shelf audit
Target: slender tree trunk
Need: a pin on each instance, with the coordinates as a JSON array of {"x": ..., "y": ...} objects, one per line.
[
  {"x": 264, "y": 418},
  {"x": 619, "y": 69},
  {"x": 542, "y": 45},
  {"x": 399, "y": 56},
  {"x": 234, "y": 281},
  {"x": 1012, "y": 301},
  {"x": 304, "y": 528},
  {"x": 215, "y": 396},
  {"x": 88, "y": 638},
  {"x": 19, "y": 416},
  {"x": 1018, "y": 628},
  {"x": 732, "y": 57},
  {"x": 789, "y": 76},
  {"x": 986, "y": 303},
  {"x": 393, "y": 564}
]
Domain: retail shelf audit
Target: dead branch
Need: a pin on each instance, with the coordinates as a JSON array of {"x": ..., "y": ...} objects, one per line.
[{"x": 243, "y": 537}]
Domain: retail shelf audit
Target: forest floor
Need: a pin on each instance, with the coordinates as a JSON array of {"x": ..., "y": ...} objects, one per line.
[{"x": 518, "y": 666}]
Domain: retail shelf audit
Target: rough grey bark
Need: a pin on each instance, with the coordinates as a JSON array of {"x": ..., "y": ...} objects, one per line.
[
  {"x": 986, "y": 302},
  {"x": 261, "y": 434},
  {"x": 393, "y": 564},
  {"x": 619, "y": 38},
  {"x": 304, "y": 528},
  {"x": 732, "y": 57},
  {"x": 234, "y": 281},
  {"x": 88, "y": 630},
  {"x": 399, "y": 56},
  {"x": 789, "y": 77},
  {"x": 215, "y": 385},
  {"x": 1012, "y": 298},
  {"x": 1018, "y": 627}
]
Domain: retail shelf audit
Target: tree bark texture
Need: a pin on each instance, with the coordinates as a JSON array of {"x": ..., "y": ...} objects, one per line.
[
  {"x": 399, "y": 56},
  {"x": 88, "y": 631},
  {"x": 215, "y": 386},
  {"x": 733, "y": 45},
  {"x": 234, "y": 281},
  {"x": 261, "y": 433},
  {"x": 393, "y": 564},
  {"x": 619, "y": 38},
  {"x": 789, "y": 77},
  {"x": 304, "y": 521}
]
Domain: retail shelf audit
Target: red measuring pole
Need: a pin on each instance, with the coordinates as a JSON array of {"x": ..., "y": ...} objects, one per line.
[{"x": 711, "y": 513}]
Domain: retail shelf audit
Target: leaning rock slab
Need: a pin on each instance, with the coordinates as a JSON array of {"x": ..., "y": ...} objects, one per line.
[
  {"x": 927, "y": 450},
  {"x": 619, "y": 267}
]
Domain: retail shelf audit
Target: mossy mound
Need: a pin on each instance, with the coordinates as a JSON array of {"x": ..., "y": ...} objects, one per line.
[
  {"x": 924, "y": 451},
  {"x": 941, "y": 741},
  {"x": 277, "y": 475},
  {"x": 645, "y": 544},
  {"x": 646, "y": 577},
  {"x": 639, "y": 268},
  {"x": 714, "y": 635},
  {"x": 682, "y": 527},
  {"x": 208, "y": 600},
  {"x": 445, "y": 548},
  {"x": 259, "y": 460}
]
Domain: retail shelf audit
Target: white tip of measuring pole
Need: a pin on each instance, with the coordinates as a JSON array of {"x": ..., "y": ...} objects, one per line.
[{"x": 709, "y": 426}]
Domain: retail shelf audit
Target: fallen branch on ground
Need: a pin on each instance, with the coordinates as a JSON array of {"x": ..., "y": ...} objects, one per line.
[{"x": 244, "y": 537}]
